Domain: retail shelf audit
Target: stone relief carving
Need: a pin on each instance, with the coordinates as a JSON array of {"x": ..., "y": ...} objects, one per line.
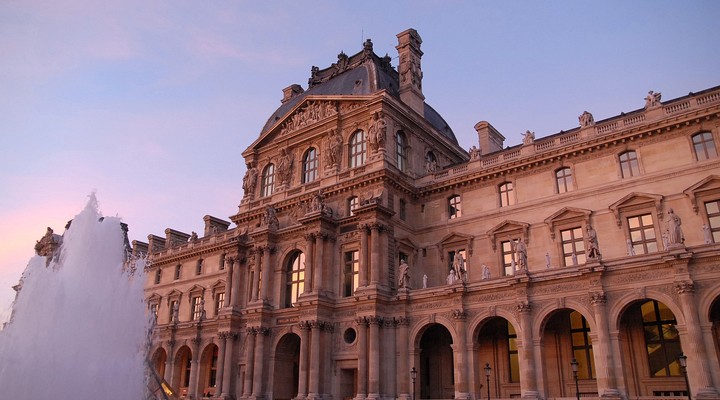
[
  {"x": 377, "y": 132},
  {"x": 250, "y": 181},
  {"x": 586, "y": 119},
  {"x": 652, "y": 99},
  {"x": 284, "y": 167},
  {"x": 313, "y": 112},
  {"x": 333, "y": 149}
]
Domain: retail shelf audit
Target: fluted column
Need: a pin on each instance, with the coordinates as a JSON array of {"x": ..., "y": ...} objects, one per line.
[
  {"x": 228, "y": 281},
  {"x": 309, "y": 261},
  {"x": 528, "y": 382},
  {"x": 314, "y": 381},
  {"x": 257, "y": 258},
  {"x": 387, "y": 370},
  {"x": 403, "y": 361},
  {"x": 249, "y": 362},
  {"x": 364, "y": 264},
  {"x": 170, "y": 362},
  {"x": 374, "y": 358},
  {"x": 194, "y": 366},
  {"x": 303, "y": 367},
  {"x": 460, "y": 354},
  {"x": 693, "y": 346},
  {"x": 362, "y": 358},
  {"x": 266, "y": 269},
  {"x": 603, "y": 351},
  {"x": 228, "y": 364},
  {"x": 320, "y": 253},
  {"x": 259, "y": 363},
  {"x": 375, "y": 269},
  {"x": 238, "y": 278},
  {"x": 222, "y": 340}
]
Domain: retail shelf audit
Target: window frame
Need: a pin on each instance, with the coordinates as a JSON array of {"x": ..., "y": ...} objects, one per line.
[
  {"x": 295, "y": 274},
  {"x": 353, "y": 203},
  {"x": 506, "y": 196},
  {"x": 568, "y": 183},
  {"x": 454, "y": 204},
  {"x": 350, "y": 272},
  {"x": 267, "y": 182},
  {"x": 704, "y": 136},
  {"x": 642, "y": 228},
  {"x": 310, "y": 166},
  {"x": 401, "y": 151},
  {"x": 632, "y": 164},
  {"x": 357, "y": 149},
  {"x": 572, "y": 242}
]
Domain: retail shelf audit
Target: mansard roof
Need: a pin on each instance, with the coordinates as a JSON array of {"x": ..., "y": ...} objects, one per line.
[{"x": 361, "y": 74}]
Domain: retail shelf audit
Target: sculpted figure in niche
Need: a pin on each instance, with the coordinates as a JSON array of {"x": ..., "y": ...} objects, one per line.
[
  {"x": 521, "y": 254},
  {"x": 707, "y": 234},
  {"x": 547, "y": 260},
  {"x": 250, "y": 180},
  {"x": 425, "y": 278},
  {"x": 652, "y": 99},
  {"x": 592, "y": 243},
  {"x": 284, "y": 166},
  {"x": 474, "y": 153},
  {"x": 586, "y": 119},
  {"x": 528, "y": 137},
  {"x": 452, "y": 277},
  {"x": 377, "y": 132},
  {"x": 334, "y": 148},
  {"x": 270, "y": 218},
  {"x": 485, "y": 272},
  {"x": 404, "y": 278},
  {"x": 459, "y": 267},
  {"x": 630, "y": 248},
  {"x": 674, "y": 231}
]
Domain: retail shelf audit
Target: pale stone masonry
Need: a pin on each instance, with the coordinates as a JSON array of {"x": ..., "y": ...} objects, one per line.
[{"x": 596, "y": 244}]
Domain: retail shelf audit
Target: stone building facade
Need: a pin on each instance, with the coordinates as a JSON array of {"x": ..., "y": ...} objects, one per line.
[{"x": 372, "y": 257}]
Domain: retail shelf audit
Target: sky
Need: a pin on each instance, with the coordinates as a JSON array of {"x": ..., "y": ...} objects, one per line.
[{"x": 149, "y": 104}]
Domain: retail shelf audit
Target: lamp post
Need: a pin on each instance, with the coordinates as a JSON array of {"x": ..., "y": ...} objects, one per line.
[
  {"x": 682, "y": 359},
  {"x": 574, "y": 364},
  {"x": 413, "y": 375},
  {"x": 487, "y": 377}
]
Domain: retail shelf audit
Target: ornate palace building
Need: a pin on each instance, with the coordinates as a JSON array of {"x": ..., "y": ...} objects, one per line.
[{"x": 372, "y": 257}]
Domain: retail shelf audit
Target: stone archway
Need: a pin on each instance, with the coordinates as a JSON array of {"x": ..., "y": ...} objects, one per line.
[
  {"x": 496, "y": 340},
  {"x": 287, "y": 367},
  {"x": 437, "y": 367},
  {"x": 159, "y": 360}
]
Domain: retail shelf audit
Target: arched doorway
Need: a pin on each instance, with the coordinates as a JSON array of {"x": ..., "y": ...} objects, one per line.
[
  {"x": 497, "y": 348},
  {"x": 208, "y": 371},
  {"x": 566, "y": 337},
  {"x": 437, "y": 368},
  {"x": 715, "y": 320},
  {"x": 649, "y": 349},
  {"x": 181, "y": 370},
  {"x": 159, "y": 360},
  {"x": 287, "y": 367}
]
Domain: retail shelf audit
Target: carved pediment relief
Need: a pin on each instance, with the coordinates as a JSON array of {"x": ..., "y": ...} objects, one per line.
[
  {"x": 456, "y": 239},
  {"x": 567, "y": 214},
  {"x": 196, "y": 290},
  {"x": 509, "y": 230},
  {"x": 709, "y": 186},
  {"x": 154, "y": 298},
  {"x": 636, "y": 201},
  {"x": 307, "y": 113}
]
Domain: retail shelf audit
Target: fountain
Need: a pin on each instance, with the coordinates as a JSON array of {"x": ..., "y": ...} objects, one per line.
[{"x": 80, "y": 325}]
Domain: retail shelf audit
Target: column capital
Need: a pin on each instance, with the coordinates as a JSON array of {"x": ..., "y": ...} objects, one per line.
[
  {"x": 171, "y": 343},
  {"x": 304, "y": 325},
  {"x": 196, "y": 340},
  {"x": 375, "y": 320},
  {"x": 310, "y": 236},
  {"x": 598, "y": 298},
  {"x": 361, "y": 321},
  {"x": 403, "y": 321},
  {"x": 523, "y": 307},
  {"x": 459, "y": 314},
  {"x": 684, "y": 287},
  {"x": 317, "y": 325}
]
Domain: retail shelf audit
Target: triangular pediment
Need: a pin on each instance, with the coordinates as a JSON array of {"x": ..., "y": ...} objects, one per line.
[
  {"x": 197, "y": 289},
  {"x": 174, "y": 295},
  {"x": 154, "y": 298},
  {"x": 707, "y": 186},
  {"x": 636, "y": 200},
  {"x": 567, "y": 214},
  {"x": 455, "y": 239},
  {"x": 408, "y": 243},
  {"x": 509, "y": 229},
  {"x": 219, "y": 285}
]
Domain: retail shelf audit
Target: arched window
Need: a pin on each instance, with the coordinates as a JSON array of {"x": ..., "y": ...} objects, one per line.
[
  {"x": 294, "y": 278},
  {"x": 563, "y": 180},
  {"x": 401, "y": 150},
  {"x": 629, "y": 164},
  {"x": 268, "y": 180},
  {"x": 358, "y": 149},
  {"x": 582, "y": 345},
  {"x": 506, "y": 194},
  {"x": 353, "y": 203},
  {"x": 310, "y": 166},
  {"x": 704, "y": 146}
]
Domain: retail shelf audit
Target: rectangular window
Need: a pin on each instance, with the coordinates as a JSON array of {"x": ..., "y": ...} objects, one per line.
[
  {"x": 704, "y": 146},
  {"x": 454, "y": 207},
  {"x": 563, "y": 179},
  {"x": 196, "y": 308},
  {"x": 199, "y": 267},
  {"x": 508, "y": 258},
  {"x": 158, "y": 275},
  {"x": 219, "y": 302},
  {"x": 403, "y": 210},
  {"x": 177, "y": 271},
  {"x": 713, "y": 213},
  {"x": 573, "y": 246},
  {"x": 154, "y": 310},
  {"x": 629, "y": 164},
  {"x": 351, "y": 272},
  {"x": 506, "y": 194},
  {"x": 642, "y": 234},
  {"x": 221, "y": 266},
  {"x": 173, "y": 305}
]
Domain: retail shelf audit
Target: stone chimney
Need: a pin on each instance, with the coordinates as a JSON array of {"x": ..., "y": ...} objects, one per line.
[
  {"x": 489, "y": 139},
  {"x": 214, "y": 225},
  {"x": 291, "y": 91},
  {"x": 410, "y": 70}
]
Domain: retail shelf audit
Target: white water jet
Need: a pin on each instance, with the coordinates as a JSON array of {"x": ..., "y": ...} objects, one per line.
[{"x": 79, "y": 325}]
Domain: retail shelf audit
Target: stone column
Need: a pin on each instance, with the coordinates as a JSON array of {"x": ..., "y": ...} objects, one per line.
[
  {"x": 257, "y": 258},
  {"x": 249, "y": 362},
  {"x": 222, "y": 340},
  {"x": 258, "y": 365},
  {"x": 375, "y": 268},
  {"x": 237, "y": 284},
  {"x": 364, "y": 264},
  {"x": 266, "y": 269},
  {"x": 170, "y": 362},
  {"x": 303, "y": 367},
  {"x": 603, "y": 352},
  {"x": 404, "y": 362},
  {"x": 362, "y": 358},
  {"x": 194, "y": 366},
  {"x": 320, "y": 253},
  {"x": 374, "y": 358},
  {"x": 460, "y": 354},
  {"x": 693, "y": 345},
  {"x": 314, "y": 381},
  {"x": 528, "y": 382},
  {"x": 387, "y": 370},
  {"x": 228, "y": 365},
  {"x": 309, "y": 261},
  {"x": 228, "y": 281}
]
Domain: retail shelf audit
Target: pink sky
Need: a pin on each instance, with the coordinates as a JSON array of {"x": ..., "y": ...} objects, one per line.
[{"x": 150, "y": 105}]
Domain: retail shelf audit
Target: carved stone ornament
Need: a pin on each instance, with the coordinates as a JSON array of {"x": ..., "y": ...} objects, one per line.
[
  {"x": 684, "y": 287},
  {"x": 311, "y": 113}
]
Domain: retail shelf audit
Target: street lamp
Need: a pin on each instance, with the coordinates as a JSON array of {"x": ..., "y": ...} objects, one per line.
[
  {"x": 487, "y": 377},
  {"x": 574, "y": 364},
  {"x": 682, "y": 359},
  {"x": 413, "y": 375}
]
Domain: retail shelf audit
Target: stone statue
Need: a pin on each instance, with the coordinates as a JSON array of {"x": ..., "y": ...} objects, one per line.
[
  {"x": 474, "y": 153},
  {"x": 175, "y": 312},
  {"x": 665, "y": 240},
  {"x": 404, "y": 278},
  {"x": 574, "y": 259},
  {"x": 193, "y": 237},
  {"x": 377, "y": 132},
  {"x": 485, "y": 272},
  {"x": 630, "y": 248},
  {"x": 452, "y": 277},
  {"x": 425, "y": 278},
  {"x": 334, "y": 148},
  {"x": 250, "y": 180},
  {"x": 586, "y": 119},
  {"x": 707, "y": 234},
  {"x": 674, "y": 231},
  {"x": 547, "y": 260},
  {"x": 521, "y": 253},
  {"x": 270, "y": 218},
  {"x": 652, "y": 99},
  {"x": 528, "y": 137},
  {"x": 592, "y": 243},
  {"x": 284, "y": 165},
  {"x": 459, "y": 267}
]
